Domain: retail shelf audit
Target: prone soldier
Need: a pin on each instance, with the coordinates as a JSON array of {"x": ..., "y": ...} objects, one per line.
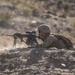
[{"x": 50, "y": 40}]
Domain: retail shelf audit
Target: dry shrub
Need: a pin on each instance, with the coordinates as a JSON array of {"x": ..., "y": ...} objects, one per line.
[{"x": 5, "y": 15}]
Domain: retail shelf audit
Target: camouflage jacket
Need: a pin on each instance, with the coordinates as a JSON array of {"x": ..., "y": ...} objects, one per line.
[{"x": 52, "y": 41}]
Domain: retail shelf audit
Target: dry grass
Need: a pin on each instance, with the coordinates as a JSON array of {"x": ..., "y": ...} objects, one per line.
[
  {"x": 5, "y": 15},
  {"x": 72, "y": 21}
]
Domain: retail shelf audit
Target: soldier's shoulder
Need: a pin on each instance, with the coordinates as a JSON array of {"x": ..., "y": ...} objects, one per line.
[{"x": 52, "y": 36}]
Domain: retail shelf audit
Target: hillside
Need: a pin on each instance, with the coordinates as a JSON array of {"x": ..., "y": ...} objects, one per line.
[
  {"x": 32, "y": 61},
  {"x": 27, "y": 15}
]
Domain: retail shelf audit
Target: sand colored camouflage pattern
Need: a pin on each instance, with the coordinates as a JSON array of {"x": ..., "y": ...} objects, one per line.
[
  {"x": 44, "y": 28},
  {"x": 52, "y": 41}
]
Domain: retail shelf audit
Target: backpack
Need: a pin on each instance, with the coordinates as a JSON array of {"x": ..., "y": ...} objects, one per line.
[{"x": 66, "y": 41}]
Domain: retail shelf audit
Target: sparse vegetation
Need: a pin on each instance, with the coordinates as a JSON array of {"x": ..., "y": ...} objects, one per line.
[
  {"x": 66, "y": 7},
  {"x": 5, "y": 16},
  {"x": 73, "y": 24},
  {"x": 26, "y": 11},
  {"x": 26, "y": 15}
]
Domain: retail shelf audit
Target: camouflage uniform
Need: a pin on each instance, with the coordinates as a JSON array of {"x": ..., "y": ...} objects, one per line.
[{"x": 51, "y": 40}]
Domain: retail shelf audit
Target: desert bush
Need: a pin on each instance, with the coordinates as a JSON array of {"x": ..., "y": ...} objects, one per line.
[
  {"x": 26, "y": 11},
  {"x": 32, "y": 8},
  {"x": 5, "y": 16},
  {"x": 35, "y": 13},
  {"x": 74, "y": 24},
  {"x": 15, "y": 2},
  {"x": 71, "y": 13},
  {"x": 66, "y": 6}
]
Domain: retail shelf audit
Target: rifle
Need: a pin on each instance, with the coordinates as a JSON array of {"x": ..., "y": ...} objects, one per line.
[{"x": 30, "y": 37}]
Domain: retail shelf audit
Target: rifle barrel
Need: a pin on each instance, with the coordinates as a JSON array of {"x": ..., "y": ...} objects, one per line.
[
  {"x": 8, "y": 35},
  {"x": 23, "y": 35}
]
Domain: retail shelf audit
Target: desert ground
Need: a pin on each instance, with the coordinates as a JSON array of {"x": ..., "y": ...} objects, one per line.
[{"x": 27, "y": 15}]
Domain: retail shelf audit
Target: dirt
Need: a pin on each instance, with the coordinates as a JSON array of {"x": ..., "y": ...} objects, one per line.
[{"x": 37, "y": 61}]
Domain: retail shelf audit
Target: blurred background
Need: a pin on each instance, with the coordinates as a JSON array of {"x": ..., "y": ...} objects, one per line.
[{"x": 27, "y": 15}]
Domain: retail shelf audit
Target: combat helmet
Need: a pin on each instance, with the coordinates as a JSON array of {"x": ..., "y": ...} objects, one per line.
[{"x": 44, "y": 28}]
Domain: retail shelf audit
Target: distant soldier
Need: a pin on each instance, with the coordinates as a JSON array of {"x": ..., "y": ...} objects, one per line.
[{"x": 50, "y": 40}]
